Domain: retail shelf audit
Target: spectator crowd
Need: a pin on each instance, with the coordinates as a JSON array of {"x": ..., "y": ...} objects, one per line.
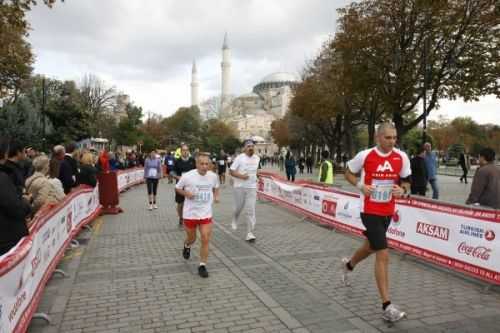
[{"x": 30, "y": 179}]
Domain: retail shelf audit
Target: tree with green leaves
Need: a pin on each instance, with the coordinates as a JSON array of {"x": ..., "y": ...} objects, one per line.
[
  {"x": 66, "y": 114},
  {"x": 216, "y": 135},
  {"x": 183, "y": 126},
  {"x": 128, "y": 130},
  {"x": 21, "y": 120},
  {"x": 15, "y": 52}
]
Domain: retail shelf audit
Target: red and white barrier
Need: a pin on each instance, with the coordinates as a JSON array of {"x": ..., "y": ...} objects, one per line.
[
  {"x": 465, "y": 239},
  {"x": 129, "y": 178},
  {"x": 26, "y": 268}
]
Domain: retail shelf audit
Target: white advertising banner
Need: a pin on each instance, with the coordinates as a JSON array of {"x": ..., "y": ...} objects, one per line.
[
  {"x": 25, "y": 269},
  {"x": 128, "y": 178},
  {"x": 466, "y": 239}
]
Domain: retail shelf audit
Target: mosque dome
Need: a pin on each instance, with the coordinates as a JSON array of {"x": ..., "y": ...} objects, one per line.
[
  {"x": 277, "y": 80},
  {"x": 249, "y": 95},
  {"x": 258, "y": 139}
]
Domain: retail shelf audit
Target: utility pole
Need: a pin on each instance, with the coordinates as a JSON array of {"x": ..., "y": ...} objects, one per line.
[{"x": 44, "y": 97}]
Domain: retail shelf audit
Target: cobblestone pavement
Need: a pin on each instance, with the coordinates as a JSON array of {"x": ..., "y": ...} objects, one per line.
[{"x": 129, "y": 276}]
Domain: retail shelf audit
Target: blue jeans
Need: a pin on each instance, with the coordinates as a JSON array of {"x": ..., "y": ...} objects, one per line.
[{"x": 435, "y": 189}]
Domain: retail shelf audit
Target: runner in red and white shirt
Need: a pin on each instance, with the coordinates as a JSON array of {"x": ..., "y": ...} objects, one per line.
[
  {"x": 384, "y": 172},
  {"x": 200, "y": 187}
]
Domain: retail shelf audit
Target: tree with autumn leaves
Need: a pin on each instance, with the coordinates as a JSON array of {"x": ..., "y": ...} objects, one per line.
[{"x": 375, "y": 67}]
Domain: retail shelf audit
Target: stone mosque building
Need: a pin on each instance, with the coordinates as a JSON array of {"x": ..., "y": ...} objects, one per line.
[{"x": 251, "y": 113}]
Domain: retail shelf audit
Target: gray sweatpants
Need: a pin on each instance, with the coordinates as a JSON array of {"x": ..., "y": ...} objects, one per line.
[{"x": 244, "y": 201}]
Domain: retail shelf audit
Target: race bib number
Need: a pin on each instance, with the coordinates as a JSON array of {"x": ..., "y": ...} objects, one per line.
[
  {"x": 382, "y": 190},
  {"x": 252, "y": 177},
  {"x": 170, "y": 162},
  {"x": 152, "y": 173},
  {"x": 202, "y": 197},
  {"x": 221, "y": 162}
]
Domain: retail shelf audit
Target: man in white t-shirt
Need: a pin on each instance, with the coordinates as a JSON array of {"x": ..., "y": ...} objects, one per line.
[
  {"x": 384, "y": 172},
  {"x": 244, "y": 171},
  {"x": 200, "y": 188}
]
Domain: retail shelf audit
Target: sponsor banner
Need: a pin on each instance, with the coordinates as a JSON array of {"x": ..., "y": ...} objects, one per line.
[
  {"x": 466, "y": 239},
  {"x": 25, "y": 269},
  {"x": 128, "y": 178}
]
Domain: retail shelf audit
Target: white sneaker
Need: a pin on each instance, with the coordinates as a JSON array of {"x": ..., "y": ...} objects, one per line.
[
  {"x": 250, "y": 237},
  {"x": 150, "y": 207},
  {"x": 234, "y": 226},
  {"x": 345, "y": 272},
  {"x": 393, "y": 314},
  {"x": 155, "y": 206}
]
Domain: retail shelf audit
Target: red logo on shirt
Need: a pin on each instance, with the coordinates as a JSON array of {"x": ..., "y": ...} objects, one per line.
[{"x": 386, "y": 167}]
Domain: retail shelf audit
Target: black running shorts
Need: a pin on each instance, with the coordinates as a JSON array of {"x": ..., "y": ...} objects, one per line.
[
  {"x": 376, "y": 229},
  {"x": 179, "y": 198}
]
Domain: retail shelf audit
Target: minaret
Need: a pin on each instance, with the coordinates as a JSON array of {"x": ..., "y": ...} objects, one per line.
[
  {"x": 194, "y": 87},
  {"x": 226, "y": 72}
]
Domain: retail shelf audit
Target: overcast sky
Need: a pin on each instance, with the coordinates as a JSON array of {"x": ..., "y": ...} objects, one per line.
[{"x": 146, "y": 48}]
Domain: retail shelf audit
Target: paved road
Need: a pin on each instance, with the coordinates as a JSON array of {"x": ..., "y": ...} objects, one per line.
[{"x": 129, "y": 276}]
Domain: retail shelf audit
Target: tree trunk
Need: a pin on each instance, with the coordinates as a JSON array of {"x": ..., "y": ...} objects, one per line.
[
  {"x": 398, "y": 120},
  {"x": 348, "y": 140},
  {"x": 372, "y": 118}
]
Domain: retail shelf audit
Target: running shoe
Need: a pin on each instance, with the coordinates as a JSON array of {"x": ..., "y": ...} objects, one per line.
[
  {"x": 250, "y": 237},
  {"x": 345, "y": 272},
  {"x": 393, "y": 314},
  {"x": 186, "y": 252},
  {"x": 155, "y": 206},
  {"x": 150, "y": 207},
  {"x": 202, "y": 270},
  {"x": 234, "y": 226}
]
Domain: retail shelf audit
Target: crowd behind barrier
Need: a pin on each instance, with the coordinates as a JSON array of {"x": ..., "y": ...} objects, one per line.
[
  {"x": 463, "y": 238},
  {"x": 26, "y": 268}
]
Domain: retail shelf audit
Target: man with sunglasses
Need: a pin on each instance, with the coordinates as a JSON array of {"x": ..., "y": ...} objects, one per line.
[
  {"x": 384, "y": 172},
  {"x": 244, "y": 171}
]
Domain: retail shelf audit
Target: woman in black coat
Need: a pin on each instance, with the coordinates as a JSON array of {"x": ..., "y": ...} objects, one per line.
[
  {"x": 14, "y": 208},
  {"x": 88, "y": 173}
]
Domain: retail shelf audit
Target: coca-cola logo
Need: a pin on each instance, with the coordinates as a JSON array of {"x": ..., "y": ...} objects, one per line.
[{"x": 480, "y": 252}]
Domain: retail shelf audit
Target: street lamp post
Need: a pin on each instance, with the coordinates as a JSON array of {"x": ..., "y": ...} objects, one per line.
[
  {"x": 426, "y": 74},
  {"x": 43, "y": 114}
]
